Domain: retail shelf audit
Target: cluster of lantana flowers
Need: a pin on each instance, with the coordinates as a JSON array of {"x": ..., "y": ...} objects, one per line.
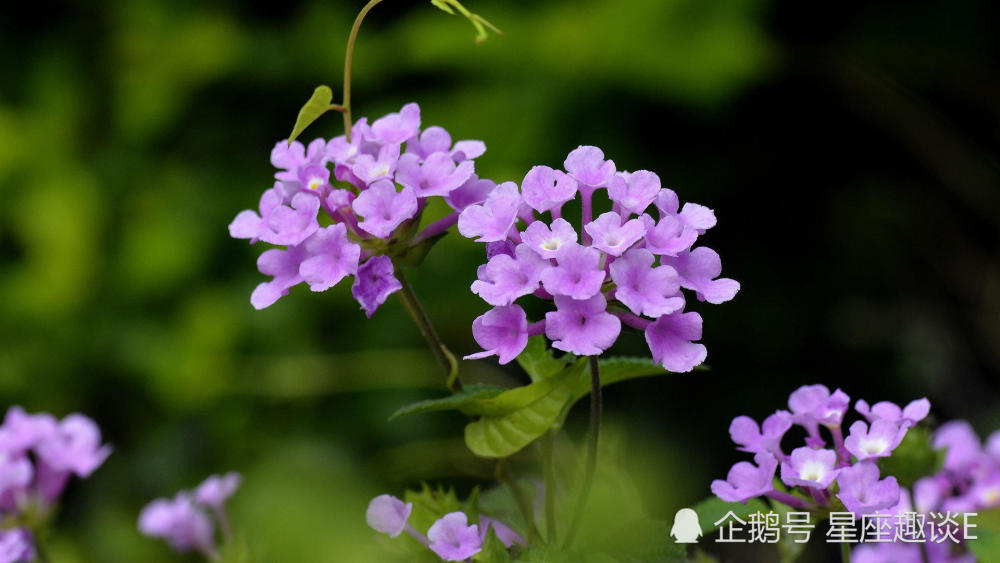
[
  {"x": 624, "y": 256},
  {"x": 186, "y": 521},
  {"x": 371, "y": 203},
  {"x": 38, "y": 455},
  {"x": 848, "y": 471},
  {"x": 451, "y": 537},
  {"x": 968, "y": 482}
]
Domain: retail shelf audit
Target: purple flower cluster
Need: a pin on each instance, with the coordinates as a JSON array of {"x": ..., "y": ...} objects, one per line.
[
  {"x": 451, "y": 537},
  {"x": 848, "y": 471},
  {"x": 968, "y": 482},
  {"x": 619, "y": 267},
  {"x": 38, "y": 455},
  {"x": 372, "y": 190},
  {"x": 186, "y": 521}
]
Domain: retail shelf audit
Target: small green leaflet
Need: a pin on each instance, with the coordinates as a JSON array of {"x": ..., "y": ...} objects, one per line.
[
  {"x": 320, "y": 103},
  {"x": 462, "y": 400}
]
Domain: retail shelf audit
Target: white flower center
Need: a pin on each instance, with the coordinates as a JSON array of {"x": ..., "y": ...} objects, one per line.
[
  {"x": 991, "y": 496},
  {"x": 381, "y": 170},
  {"x": 552, "y": 244},
  {"x": 873, "y": 446},
  {"x": 812, "y": 471},
  {"x": 315, "y": 183}
]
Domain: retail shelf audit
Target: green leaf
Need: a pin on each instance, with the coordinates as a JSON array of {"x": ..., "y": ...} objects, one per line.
[
  {"x": 320, "y": 103},
  {"x": 618, "y": 369},
  {"x": 493, "y": 550},
  {"x": 986, "y": 545},
  {"x": 462, "y": 400},
  {"x": 515, "y": 418},
  {"x": 537, "y": 360},
  {"x": 712, "y": 509},
  {"x": 913, "y": 458}
]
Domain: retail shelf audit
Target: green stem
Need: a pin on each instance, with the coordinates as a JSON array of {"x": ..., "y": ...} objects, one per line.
[
  {"x": 444, "y": 356},
  {"x": 550, "y": 489},
  {"x": 595, "y": 429},
  {"x": 845, "y": 552},
  {"x": 348, "y": 62}
]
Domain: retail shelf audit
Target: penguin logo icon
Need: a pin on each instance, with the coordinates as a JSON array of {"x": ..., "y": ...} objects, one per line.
[{"x": 686, "y": 528}]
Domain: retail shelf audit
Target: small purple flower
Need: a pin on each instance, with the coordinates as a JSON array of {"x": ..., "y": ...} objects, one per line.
[
  {"x": 961, "y": 442},
  {"x": 216, "y": 489},
  {"x": 671, "y": 340},
  {"x": 493, "y": 219},
  {"x": 472, "y": 192},
  {"x": 180, "y": 523},
  {"x": 644, "y": 289},
  {"x": 74, "y": 447},
  {"x": 290, "y": 158},
  {"x": 374, "y": 283},
  {"x": 503, "y": 533},
  {"x": 504, "y": 278},
  {"x": 383, "y": 208},
  {"x": 22, "y": 431},
  {"x": 388, "y": 515},
  {"x": 332, "y": 257},
  {"x": 668, "y": 237},
  {"x": 746, "y": 480},
  {"x": 545, "y": 189},
  {"x": 587, "y": 165},
  {"x": 764, "y": 438},
  {"x": 583, "y": 327},
  {"x": 578, "y": 273},
  {"x": 368, "y": 168},
  {"x": 437, "y": 175},
  {"x": 453, "y": 539},
  {"x": 278, "y": 223},
  {"x": 862, "y": 492},
  {"x": 283, "y": 266},
  {"x": 812, "y": 405},
  {"x": 16, "y": 546},
  {"x": 913, "y": 413},
  {"x": 614, "y": 236},
  {"x": 547, "y": 241},
  {"x": 314, "y": 178},
  {"x": 699, "y": 269},
  {"x": 807, "y": 467},
  {"x": 875, "y": 442},
  {"x": 697, "y": 217},
  {"x": 395, "y": 128},
  {"x": 634, "y": 191},
  {"x": 501, "y": 331}
]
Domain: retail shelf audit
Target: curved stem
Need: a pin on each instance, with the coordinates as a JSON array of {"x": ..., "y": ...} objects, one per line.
[
  {"x": 595, "y": 429},
  {"x": 412, "y": 305},
  {"x": 348, "y": 62}
]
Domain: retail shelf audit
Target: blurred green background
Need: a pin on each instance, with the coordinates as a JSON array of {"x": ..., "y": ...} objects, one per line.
[{"x": 849, "y": 151}]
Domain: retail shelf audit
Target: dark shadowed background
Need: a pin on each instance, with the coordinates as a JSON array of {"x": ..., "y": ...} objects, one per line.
[{"x": 850, "y": 154}]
